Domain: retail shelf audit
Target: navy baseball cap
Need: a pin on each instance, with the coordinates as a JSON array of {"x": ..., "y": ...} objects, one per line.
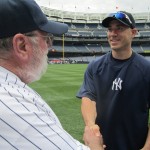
[
  {"x": 22, "y": 16},
  {"x": 122, "y": 16}
]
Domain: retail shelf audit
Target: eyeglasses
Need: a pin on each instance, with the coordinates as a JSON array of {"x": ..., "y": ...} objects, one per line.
[
  {"x": 49, "y": 37},
  {"x": 122, "y": 16}
]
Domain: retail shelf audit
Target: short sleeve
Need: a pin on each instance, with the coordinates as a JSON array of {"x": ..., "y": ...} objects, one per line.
[{"x": 87, "y": 88}]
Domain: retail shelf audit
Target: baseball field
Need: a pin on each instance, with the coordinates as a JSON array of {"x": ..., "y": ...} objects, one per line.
[{"x": 58, "y": 88}]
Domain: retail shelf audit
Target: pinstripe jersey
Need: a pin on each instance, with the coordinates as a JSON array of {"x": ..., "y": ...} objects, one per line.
[{"x": 27, "y": 122}]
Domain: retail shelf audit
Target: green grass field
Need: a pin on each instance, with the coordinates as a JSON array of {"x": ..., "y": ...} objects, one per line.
[{"x": 58, "y": 87}]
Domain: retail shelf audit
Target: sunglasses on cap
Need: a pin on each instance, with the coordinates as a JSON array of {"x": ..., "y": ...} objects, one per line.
[{"x": 122, "y": 17}]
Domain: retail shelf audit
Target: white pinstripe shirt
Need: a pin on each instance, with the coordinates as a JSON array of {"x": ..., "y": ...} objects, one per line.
[{"x": 27, "y": 122}]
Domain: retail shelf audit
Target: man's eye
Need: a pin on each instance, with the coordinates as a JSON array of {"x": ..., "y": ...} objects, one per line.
[
  {"x": 120, "y": 28},
  {"x": 109, "y": 29}
]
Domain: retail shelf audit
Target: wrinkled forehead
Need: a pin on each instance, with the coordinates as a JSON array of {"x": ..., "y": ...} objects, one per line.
[{"x": 116, "y": 23}]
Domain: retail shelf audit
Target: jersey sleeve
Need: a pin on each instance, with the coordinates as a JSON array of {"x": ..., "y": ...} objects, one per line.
[{"x": 87, "y": 88}]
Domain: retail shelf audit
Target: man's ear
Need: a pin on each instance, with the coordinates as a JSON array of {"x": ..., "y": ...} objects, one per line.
[
  {"x": 134, "y": 32},
  {"x": 21, "y": 46}
]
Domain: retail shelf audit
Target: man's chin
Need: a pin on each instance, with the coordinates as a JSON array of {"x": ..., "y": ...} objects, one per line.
[{"x": 115, "y": 48}]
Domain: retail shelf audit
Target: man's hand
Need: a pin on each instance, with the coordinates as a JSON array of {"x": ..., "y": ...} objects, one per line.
[{"x": 93, "y": 138}]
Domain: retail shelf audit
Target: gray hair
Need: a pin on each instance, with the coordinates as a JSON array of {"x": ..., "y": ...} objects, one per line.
[{"x": 6, "y": 43}]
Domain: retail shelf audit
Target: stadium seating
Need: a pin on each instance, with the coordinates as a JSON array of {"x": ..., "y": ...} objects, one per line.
[{"x": 86, "y": 36}]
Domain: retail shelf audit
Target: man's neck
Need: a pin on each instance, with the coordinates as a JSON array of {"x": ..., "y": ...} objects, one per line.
[{"x": 121, "y": 55}]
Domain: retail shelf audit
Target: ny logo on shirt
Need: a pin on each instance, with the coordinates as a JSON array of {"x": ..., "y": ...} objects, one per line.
[{"x": 117, "y": 84}]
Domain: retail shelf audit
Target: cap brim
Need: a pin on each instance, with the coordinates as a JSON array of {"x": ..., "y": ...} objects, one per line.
[
  {"x": 107, "y": 20},
  {"x": 55, "y": 28}
]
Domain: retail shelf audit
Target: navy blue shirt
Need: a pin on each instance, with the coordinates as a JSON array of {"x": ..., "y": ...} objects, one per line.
[{"x": 121, "y": 90}]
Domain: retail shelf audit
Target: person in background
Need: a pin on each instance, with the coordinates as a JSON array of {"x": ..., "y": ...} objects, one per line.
[
  {"x": 116, "y": 89},
  {"x": 26, "y": 121}
]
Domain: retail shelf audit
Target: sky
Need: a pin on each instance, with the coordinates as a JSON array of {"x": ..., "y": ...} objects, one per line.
[{"x": 97, "y": 6}]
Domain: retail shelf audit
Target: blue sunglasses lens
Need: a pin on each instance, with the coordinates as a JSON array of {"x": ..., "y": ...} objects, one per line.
[{"x": 119, "y": 15}]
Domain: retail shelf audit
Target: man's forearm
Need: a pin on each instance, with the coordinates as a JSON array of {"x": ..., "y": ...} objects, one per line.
[{"x": 88, "y": 108}]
